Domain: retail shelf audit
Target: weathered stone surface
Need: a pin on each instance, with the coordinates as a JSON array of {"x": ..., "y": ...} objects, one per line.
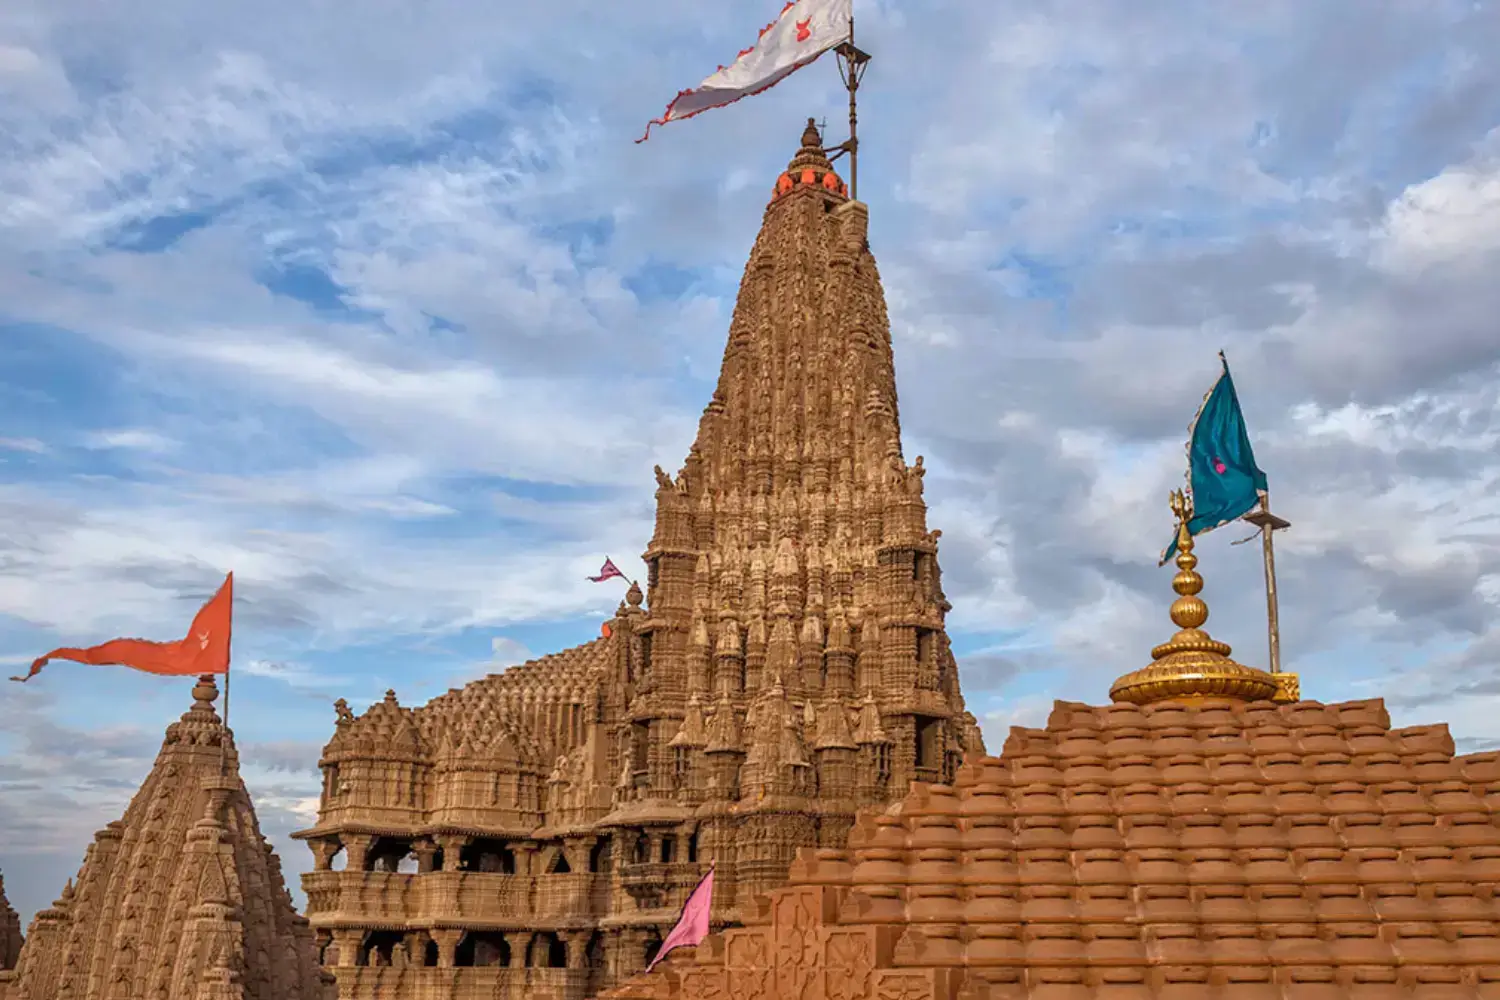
[
  {"x": 10, "y": 932},
  {"x": 535, "y": 833},
  {"x": 1224, "y": 850},
  {"x": 179, "y": 899}
]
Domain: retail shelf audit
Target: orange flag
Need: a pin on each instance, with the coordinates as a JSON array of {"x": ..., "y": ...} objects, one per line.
[{"x": 205, "y": 649}]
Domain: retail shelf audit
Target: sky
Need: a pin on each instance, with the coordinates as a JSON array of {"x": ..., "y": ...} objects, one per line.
[{"x": 391, "y": 316}]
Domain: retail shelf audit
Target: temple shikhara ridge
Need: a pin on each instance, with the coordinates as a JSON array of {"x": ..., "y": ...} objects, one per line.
[
  {"x": 180, "y": 899},
  {"x": 787, "y": 666},
  {"x": 781, "y": 705}
]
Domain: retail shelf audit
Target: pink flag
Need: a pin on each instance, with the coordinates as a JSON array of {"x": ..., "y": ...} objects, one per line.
[
  {"x": 692, "y": 926},
  {"x": 609, "y": 572},
  {"x": 805, "y": 30}
]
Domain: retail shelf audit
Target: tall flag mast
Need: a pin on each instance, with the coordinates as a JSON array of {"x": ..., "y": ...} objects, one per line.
[
  {"x": 804, "y": 31},
  {"x": 852, "y": 63},
  {"x": 1224, "y": 484}
]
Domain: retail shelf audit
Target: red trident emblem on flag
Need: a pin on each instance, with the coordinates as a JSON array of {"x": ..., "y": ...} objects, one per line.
[{"x": 804, "y": 30}]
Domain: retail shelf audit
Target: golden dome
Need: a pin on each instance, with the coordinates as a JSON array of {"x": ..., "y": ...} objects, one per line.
[{"x": 1192, "y": 665}]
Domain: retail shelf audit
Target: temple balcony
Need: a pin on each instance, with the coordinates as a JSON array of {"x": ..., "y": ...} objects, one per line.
[
  {"x": 474, "y": 899},
  {"x": 490, "y": 983},
  {"x": 654, "y": 884}
]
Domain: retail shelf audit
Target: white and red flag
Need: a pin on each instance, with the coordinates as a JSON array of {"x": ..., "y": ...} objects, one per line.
[
  {"x": 692, "y": 926},
  {"x": 608, "y": 572},
  {"x": 805, "y": 30}
]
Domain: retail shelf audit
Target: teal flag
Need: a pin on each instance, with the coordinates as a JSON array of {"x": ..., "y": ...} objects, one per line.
[{"x": 1223, "y": 479}]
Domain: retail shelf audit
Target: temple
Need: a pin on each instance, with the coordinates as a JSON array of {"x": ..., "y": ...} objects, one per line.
[
  {"x": 1199, "y": 836},
  {"x": 535, "y": 833},
  {"x": 180, "y": 899},
  {"x": 10, "y": 934}
]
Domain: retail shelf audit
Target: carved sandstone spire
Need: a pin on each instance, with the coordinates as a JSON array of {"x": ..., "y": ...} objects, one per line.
[
  {"x": 1191, "y": 665},
  {"x": 10, "y": 932},
  {"x": 809, "y": 330},
  {"x": 182, "y": 883}
]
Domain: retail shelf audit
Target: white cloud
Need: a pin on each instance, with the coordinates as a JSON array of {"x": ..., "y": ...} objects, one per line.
[{"x": 130, "y": 439}]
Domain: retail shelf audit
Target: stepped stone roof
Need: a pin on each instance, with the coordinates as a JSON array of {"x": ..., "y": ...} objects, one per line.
[
  {"x": 1224, "y": 849},
  {"x": 180, "y": 899}
]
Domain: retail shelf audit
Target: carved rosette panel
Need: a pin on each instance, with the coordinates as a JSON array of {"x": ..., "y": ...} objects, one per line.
[
  {"x": 747, "y": 958},
  {"x": 904, "y": 984},
  {"x": 706, "y": 984},
  {"x": 848, "y": 961},
  {"x": 798, "y": 944}
]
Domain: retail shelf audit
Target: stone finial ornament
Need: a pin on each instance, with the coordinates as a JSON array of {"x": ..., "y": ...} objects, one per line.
[{"x": 1191, "y": 665}]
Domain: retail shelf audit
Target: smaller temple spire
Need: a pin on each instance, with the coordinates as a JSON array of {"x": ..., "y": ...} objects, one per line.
[{"x": 1192, "y": 665}]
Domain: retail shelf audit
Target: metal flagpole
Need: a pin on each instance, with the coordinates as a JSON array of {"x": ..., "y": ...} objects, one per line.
[
  {"x": 224, "y": 741},
  {"x": 228, "y": 668},
  {"x": 852, "y": 63},
  {"x": 1269, "y": 524}
]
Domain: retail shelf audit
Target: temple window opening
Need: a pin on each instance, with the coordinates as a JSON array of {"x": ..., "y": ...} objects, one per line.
[
  {"x": 481, "y": 949},
  {"x": 486, "y": 855},
  {"x": 653, "y": 945},
  {"x": 378, "y": 948},
  {"x": 599, "y": 856},
  {"x": 390, "y": 855}
]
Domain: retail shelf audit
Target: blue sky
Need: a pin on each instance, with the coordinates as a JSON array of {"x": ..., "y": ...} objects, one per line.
[{"x": 390, "y": 316}]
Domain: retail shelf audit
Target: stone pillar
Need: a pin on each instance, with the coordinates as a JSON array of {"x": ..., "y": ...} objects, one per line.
[
  {"x": 576, "y": 850},
  {"x": 324, "y": 849},
  {"x": 452, "y": 845},
  {"x": 447, "y": 940},
  {"x": 418, "y": 947},
  {"x": 577, "y": 944},
  {"x": 347, "y": 942},
  {"x": 516, "y": 941},
  {"x": 526, "y": 855},
  {"x": 426, "y": 852},
  {"x": 358, "y": 845}
]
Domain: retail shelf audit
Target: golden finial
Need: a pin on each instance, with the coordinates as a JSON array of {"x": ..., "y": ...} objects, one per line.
[{"x": 1191, "y": 665}]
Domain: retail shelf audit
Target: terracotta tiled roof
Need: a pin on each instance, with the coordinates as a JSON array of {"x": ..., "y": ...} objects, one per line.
[{"x": 1252, "y": 850}]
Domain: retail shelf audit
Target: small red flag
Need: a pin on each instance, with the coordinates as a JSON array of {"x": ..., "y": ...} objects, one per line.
[
  {"x": 609, "y": 572},
  {"x": 204, "y": 650}
]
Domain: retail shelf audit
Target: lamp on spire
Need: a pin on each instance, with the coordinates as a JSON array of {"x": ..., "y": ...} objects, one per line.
[{"x": 1192, "y": 665}]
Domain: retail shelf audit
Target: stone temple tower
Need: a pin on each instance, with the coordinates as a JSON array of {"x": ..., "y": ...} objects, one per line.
[
  {"x": 536, "y": 832},
  {"x": 797, "y": 665}
]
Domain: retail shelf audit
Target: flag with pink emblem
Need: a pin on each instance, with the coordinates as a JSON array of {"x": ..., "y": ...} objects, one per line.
[
  {"x": 805, "y": 30},
  {"x": 1223, "y": 481},
  {"x": 607, "y": 572},
  {"x": 692, "y": 926}
]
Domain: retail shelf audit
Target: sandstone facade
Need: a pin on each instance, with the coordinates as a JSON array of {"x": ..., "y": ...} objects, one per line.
[
  {"x": 534, "y": 834},
  {"x": 180, "y": 899},
  {"x": 1199, "y": 838},
  {"x": 1228, "y": 851}
]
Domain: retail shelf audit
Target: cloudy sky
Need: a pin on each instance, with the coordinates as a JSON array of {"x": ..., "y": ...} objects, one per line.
[{"x": 380, "y": 306}]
